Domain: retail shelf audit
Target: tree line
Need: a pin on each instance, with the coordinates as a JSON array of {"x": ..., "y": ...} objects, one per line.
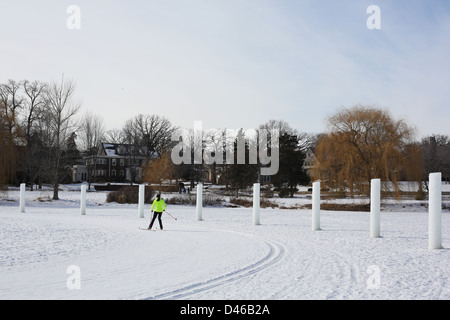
[
  {"x": 228, "y": 158},
  {"x": 41, "y": 125},
  {"x": 37, "y": 127}
]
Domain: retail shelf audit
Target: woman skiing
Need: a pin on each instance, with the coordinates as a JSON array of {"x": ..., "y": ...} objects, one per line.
[{"x": 158, "y": 206}]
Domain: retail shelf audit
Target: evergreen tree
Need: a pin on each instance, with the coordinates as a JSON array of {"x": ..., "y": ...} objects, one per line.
[
  {"x": 69, "y": 158},
  {"x": 241, "y": 176},
  {"x": 291, "y": 172}
]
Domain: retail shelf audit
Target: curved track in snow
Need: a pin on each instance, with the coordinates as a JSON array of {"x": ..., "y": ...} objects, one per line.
[{"x": 274, "y": 256}]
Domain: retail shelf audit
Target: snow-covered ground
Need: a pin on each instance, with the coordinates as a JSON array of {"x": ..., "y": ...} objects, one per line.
[{"x": 222, "y": 257}]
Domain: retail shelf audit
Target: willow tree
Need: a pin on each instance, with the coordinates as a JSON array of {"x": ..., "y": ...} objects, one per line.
[
  {"x": 363, "y": 143},
  {"x": 158, "y": 170},
  {"x": 7, "y": 148}
]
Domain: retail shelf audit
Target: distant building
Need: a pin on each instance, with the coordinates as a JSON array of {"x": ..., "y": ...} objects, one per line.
[
  {"x": 310, "y": 163},
  {"x": 114, "y": 163},
  {"x": 79, "y": 173}
]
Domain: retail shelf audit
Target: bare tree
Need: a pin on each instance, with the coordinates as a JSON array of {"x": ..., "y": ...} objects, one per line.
[
  {"x": 185, "y": 155},
  {"x": 34, "y": 103},
  {"x": 152, "y": 131},
  {"x": 147, "y": 136},
  {"x": 59, "y": 123},
  {"x": 12, "y": 103},
  {"x": 436, "y": 156},
  {"x": 280, "y": 125},
  {"x": 91, "y": 134},
  {"x": 115, "y": 136},
  {"x": 305, "y": 140}
]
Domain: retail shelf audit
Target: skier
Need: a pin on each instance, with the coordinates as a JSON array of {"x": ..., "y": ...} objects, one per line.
[{"x": 159, "y": 206}]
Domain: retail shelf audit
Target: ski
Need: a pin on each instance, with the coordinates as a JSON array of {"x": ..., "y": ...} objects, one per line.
[
  {"x": 146, "y": 229},
  {"x": 150, "y": 229}
]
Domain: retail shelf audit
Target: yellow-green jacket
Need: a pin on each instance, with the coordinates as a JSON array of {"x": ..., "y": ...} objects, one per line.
[{"x": 158, "y": 206}]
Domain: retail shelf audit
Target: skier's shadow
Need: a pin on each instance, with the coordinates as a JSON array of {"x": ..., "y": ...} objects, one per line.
[{"x": 184, "y": 230}]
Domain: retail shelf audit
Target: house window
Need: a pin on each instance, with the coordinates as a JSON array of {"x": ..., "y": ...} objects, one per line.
[
  {"x": 122, "y": 162},
  {"x": 114, "y": 162},
  {"x": 113, "y": 173},
  {"x": 122, "y": 173},
  {"x": 101, "y": 173}
]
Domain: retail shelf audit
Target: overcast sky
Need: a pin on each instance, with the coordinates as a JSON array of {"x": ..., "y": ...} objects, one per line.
[{"x": 237, "y": 63}]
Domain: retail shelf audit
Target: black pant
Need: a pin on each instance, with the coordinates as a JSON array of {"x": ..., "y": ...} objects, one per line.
[{"x": 156, "y": 214}]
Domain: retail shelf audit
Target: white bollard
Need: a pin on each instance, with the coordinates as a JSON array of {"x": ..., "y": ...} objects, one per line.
[
  {"x": 435, "y": 211},
  {"x": 256, "y": 203},
  {"x": 199, "y": 201},
  {"x": 141, "y": 204},
  {"x": 83, "y": 200},
  {"x": 22, "y": 198},
  {"x": 316, "y": 206},
  {"x": 375, "y": 193}
]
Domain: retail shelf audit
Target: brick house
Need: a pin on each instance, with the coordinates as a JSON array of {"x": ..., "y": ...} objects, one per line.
[{"x": 114, "y": 163}]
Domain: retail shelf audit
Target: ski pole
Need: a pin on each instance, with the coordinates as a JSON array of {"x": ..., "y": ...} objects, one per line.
[{"x": 171, "y": 216}]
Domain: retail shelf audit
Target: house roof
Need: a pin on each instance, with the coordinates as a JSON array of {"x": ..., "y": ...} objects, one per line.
[{"x": 124, "y": 150}]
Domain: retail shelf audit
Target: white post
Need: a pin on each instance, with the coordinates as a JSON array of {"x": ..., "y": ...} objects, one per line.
[
  {"x": 199, "y": 201},
  {"x": 83, "y": 200},
  {"x": 316, "y": 206},
  {"x": 435, "y": 211},
  {"x": 141, "y": 201},
  {"x": 22, "y": 198},
  {"x": 256, "y": 203},
  {"x": 375, "y": 192}
]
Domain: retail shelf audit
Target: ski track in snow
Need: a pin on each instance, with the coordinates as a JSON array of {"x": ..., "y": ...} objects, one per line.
[
  {"x": 348, "y": 273},
  {"x": 274, "y": 256}
]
